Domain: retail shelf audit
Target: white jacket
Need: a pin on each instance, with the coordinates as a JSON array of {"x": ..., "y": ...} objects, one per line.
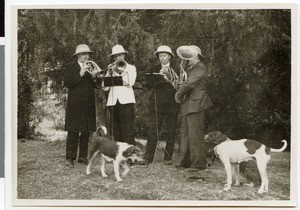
[{"x": 124, "y": 94}]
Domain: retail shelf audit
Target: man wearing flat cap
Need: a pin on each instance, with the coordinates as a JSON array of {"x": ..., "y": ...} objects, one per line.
[
  {"x": 162, "y": 106},
  {"x": 121, "y": 98},
  {"x": 194, "y": 101},
  {"x": 80, "y": 118}
]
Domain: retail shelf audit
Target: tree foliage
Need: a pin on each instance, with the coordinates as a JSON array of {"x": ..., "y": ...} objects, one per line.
[{"x": 248, "y": 53}]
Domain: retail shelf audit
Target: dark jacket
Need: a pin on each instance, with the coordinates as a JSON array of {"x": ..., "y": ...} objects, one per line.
[
  {"x": 165, "y": 93},
  {"x": 193, "y": 93},
  {"x": 81, "y": 111}
]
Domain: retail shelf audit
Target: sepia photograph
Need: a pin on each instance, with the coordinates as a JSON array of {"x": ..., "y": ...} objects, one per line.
[{"x": 153, "y": 106}]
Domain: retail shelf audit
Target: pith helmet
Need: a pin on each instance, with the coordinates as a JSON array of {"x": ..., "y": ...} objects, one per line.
[
  {"x": 118, "y": 49},
  {"x": 164, "y": 48},
  {"x": 82, "y": 48},
  {"x": 186, "y": 52},
  {"x": 197, "y": 49}
]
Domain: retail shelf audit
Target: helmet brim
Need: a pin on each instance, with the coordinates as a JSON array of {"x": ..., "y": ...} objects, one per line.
[
  {"x": 157, "y": 53},
  {"x": 87, "y": 51},
  {"x": 125, "y": 52}
]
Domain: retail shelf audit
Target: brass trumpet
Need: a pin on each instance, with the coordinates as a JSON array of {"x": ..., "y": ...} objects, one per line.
[
  {"x": 117, "y": 66},
  {"x": 92, "y": 68}
]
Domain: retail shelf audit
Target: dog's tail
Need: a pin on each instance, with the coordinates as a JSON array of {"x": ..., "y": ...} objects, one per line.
[
  {"x": 282, "y": 148},
  {"x": 104, "y": 129},
  {"x": 101, "y": 131}
]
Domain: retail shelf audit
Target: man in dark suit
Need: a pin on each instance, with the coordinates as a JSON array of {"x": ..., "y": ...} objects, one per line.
[
  {"x": 80, "y": 118},
  {"x": 166, "y": 107},
  {"x": 194, "y": 101}
]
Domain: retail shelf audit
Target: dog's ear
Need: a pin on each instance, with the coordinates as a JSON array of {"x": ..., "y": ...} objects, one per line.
[
  {"x": 219, "y": 137},
  {"x": 212, "y": 137},
  {"x": 210, "y": 155},
  {"x": 129, "y": 151}
]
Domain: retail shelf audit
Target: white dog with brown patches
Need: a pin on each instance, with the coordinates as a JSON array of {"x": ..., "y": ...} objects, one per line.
[
  {"x": 117, "y": 152},
  {"x": 233, "y": 152}
]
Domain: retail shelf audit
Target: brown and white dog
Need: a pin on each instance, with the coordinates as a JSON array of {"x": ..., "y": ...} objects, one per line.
[
  {"x": 234, "y": 152},
  {"x": 117, "y": 152}
]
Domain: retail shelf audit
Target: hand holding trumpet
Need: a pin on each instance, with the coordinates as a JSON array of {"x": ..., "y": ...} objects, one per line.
[
  {"x": 170, "y": 76},
  {"x": 117, "y": 66},
  {"x": 165, "y": 72},
  {"x": 92, "y": 68}
]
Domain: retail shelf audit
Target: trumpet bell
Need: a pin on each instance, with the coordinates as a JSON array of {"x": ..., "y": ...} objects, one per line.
[
  {"x": 121, "y": 65},
  {"x": 186, "y": 52}
]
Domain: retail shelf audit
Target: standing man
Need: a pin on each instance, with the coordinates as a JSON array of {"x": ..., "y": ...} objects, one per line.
[
  {"x": 121, "y": 99},
  {"x": 194, "y": 101},
  {"x": 81, "y": 112},
  {"x": 162, "y": 106}
]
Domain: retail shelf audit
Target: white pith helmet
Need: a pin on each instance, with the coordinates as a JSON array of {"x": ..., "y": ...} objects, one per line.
[
  {"x": 118, "y": 49},
  {"x": 197, "y": 49},
  {"x": 82, "y": 48},
  {"x": 186, "y": 52},
  {"x": 164, "y": 48}
]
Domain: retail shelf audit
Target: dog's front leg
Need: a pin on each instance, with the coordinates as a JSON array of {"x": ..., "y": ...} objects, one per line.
[
  {"x": 117, "y": 170},
  {"x": 126, "y": 169},
  {"x": 103, "y": 166},
  {"x": 227, "y": 166}
]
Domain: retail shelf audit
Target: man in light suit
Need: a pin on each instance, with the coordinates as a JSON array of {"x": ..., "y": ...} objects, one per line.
[
  {"x": 194, "y": 101},
  {"x": 121, "y": 99}
]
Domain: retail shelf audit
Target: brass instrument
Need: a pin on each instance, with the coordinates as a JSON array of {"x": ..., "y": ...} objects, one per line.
[
  {"x": 117, "y": 66},
  {"x": 92, "y": 68},
  {"x": 170, "y": 76},
  {"x": 183, "y": 74}
]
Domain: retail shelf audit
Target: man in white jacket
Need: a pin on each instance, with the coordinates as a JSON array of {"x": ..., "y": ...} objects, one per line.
[{"x": 121, "y": 99}]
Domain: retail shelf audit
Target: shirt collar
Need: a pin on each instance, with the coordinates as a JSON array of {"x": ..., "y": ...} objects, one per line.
[
  {"x": 168, "y": 65},
  {"x": 80, "y": 64}
]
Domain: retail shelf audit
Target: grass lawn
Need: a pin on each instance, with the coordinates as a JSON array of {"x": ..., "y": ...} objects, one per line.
[{"x": 42, "y": 174}]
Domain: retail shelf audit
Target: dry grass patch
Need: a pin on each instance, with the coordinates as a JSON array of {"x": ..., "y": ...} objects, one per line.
[{"x": 42, "y": 174}]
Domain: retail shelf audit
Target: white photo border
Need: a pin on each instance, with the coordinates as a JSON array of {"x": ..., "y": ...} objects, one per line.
[{"x": 11, "y": 108}]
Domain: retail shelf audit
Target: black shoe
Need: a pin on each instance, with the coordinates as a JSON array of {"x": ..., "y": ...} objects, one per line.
[
  {"x": 83, "y": 160},
  {"x": 143, "y": 162},
  {"x": 180, "y": 167},
  {"x": 70, "y": 162},
  {"x": 168, "y": 162}
]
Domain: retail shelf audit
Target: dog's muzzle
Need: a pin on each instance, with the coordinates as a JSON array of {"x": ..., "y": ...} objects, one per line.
[{"x": 135, "y": 158}]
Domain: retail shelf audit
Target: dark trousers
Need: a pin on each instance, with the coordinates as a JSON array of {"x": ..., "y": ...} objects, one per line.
[
  {"x": 192, "y": 144},
  {"x": 72, "y": 144},
  {"x": 170, "y": 120},
  {"x": 122, "y": 119}
]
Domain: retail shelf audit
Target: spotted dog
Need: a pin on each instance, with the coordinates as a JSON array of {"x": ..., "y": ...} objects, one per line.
[
  {"x": 117, "y": 152},
  {"x": 234, "y": 152}
]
